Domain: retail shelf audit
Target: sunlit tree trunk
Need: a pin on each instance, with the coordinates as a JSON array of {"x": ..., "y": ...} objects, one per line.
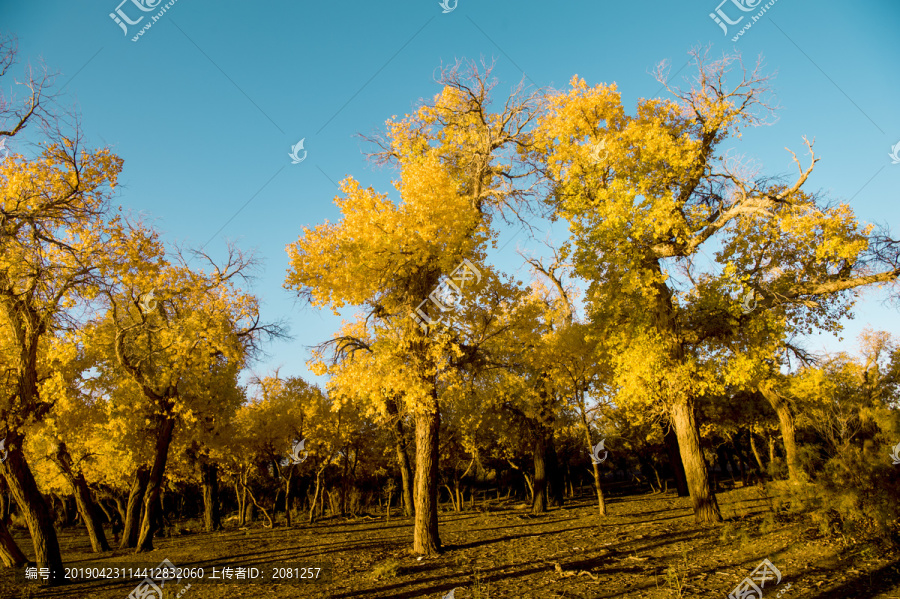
[
  {"x": 756, "y": 456},
  {"x": 539, "y": 497},
  {"x": 586, "y": 429},
  {"x": 83, "y": 499},
  {"x": 239, "y": 497},
  {"x": 133, "y": 508},
  {"x": 318, "y": 492},
  {"x": 10, "y": 553},
  {"x": 258, "y": 506},
  {"x": 426, "y": 539},
  {"x": 154, "y": 486},
  {"x": 33, "y": 508},
  {"x": 706, "y": 508},
  {"x": 681, "y": 408},
  {"x": 788, "y": 430}
]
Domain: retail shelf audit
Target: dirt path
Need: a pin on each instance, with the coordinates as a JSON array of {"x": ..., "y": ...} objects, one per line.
[{"x": 647, "y": 547}]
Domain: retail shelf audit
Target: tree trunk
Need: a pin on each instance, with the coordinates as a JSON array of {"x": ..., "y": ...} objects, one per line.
[
  {"x": 675, "y": 462},
  {"x": 121, "y": 505},
  {"x": 788, "y": 432},
  {"x": 241, "y": 500},
  {"x": 88, "y": 511},
  {"x": 401, "y": 445},
  {"x": 539, "y": 497},
  {"x": 4, "y": 505},
  {"x": 154, "y": 485},
  {"x": 755, "y": 451},
  {"x": 586, "y": 429},
  {"x": 83, "y": 499},
  {"x": 10, "y": 553},
  {"x": 133, "y": 508},
  {"x": 105, "y": 509},
  {"x": 706, "y": 508},
  {"x": 287, "y": 498},
  {"x": 555, "y": 488},
  {"x": 63, "y": 518},
  {"x": 452, "y": 500},
  {"x": 426, "y": 538},
  {"x": 264, "y": 511},
  {"x": 212, "y": 520},
  {"x": 33, "y": 508},
  {"x": 315, "y": 500}
]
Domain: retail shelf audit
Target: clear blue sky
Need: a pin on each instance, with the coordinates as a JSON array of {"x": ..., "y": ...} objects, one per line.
[{"x": 205, "y": 106}]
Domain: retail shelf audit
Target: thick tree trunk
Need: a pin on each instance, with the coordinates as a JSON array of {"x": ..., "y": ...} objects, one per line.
[
  {"x": 681, "y": 404},
  {"x": 426, "y": 538},
  {"x": 788, "y": 431},
  {"x": 539, "y": 497},
  {"x": 675, "y": 462},
  {"x": 154, "y": 486},
  {"x": 83, "y": 499},
  {"x": 212, "y": 520},
  {"x": 10, "y": 553},
  {"x": 88, "y": 511},
  {"x": 133, "y": 508},
  {"x": 31, "y": 504},
  {"x": 706, "y": 508}
]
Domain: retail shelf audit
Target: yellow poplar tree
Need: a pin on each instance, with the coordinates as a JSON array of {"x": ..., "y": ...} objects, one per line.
[
  {"x": 645, "y": 193},
  {"x": 387, "y": 256}
]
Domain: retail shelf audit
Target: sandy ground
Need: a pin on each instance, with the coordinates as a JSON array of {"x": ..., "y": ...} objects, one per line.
[{"x": 647, "y": 547}]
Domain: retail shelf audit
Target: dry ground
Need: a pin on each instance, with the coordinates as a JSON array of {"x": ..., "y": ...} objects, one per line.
[{"x": 648, "y": 547}]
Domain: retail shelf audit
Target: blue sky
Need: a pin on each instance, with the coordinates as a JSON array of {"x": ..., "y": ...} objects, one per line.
[{"x": 205, "y": 106}]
